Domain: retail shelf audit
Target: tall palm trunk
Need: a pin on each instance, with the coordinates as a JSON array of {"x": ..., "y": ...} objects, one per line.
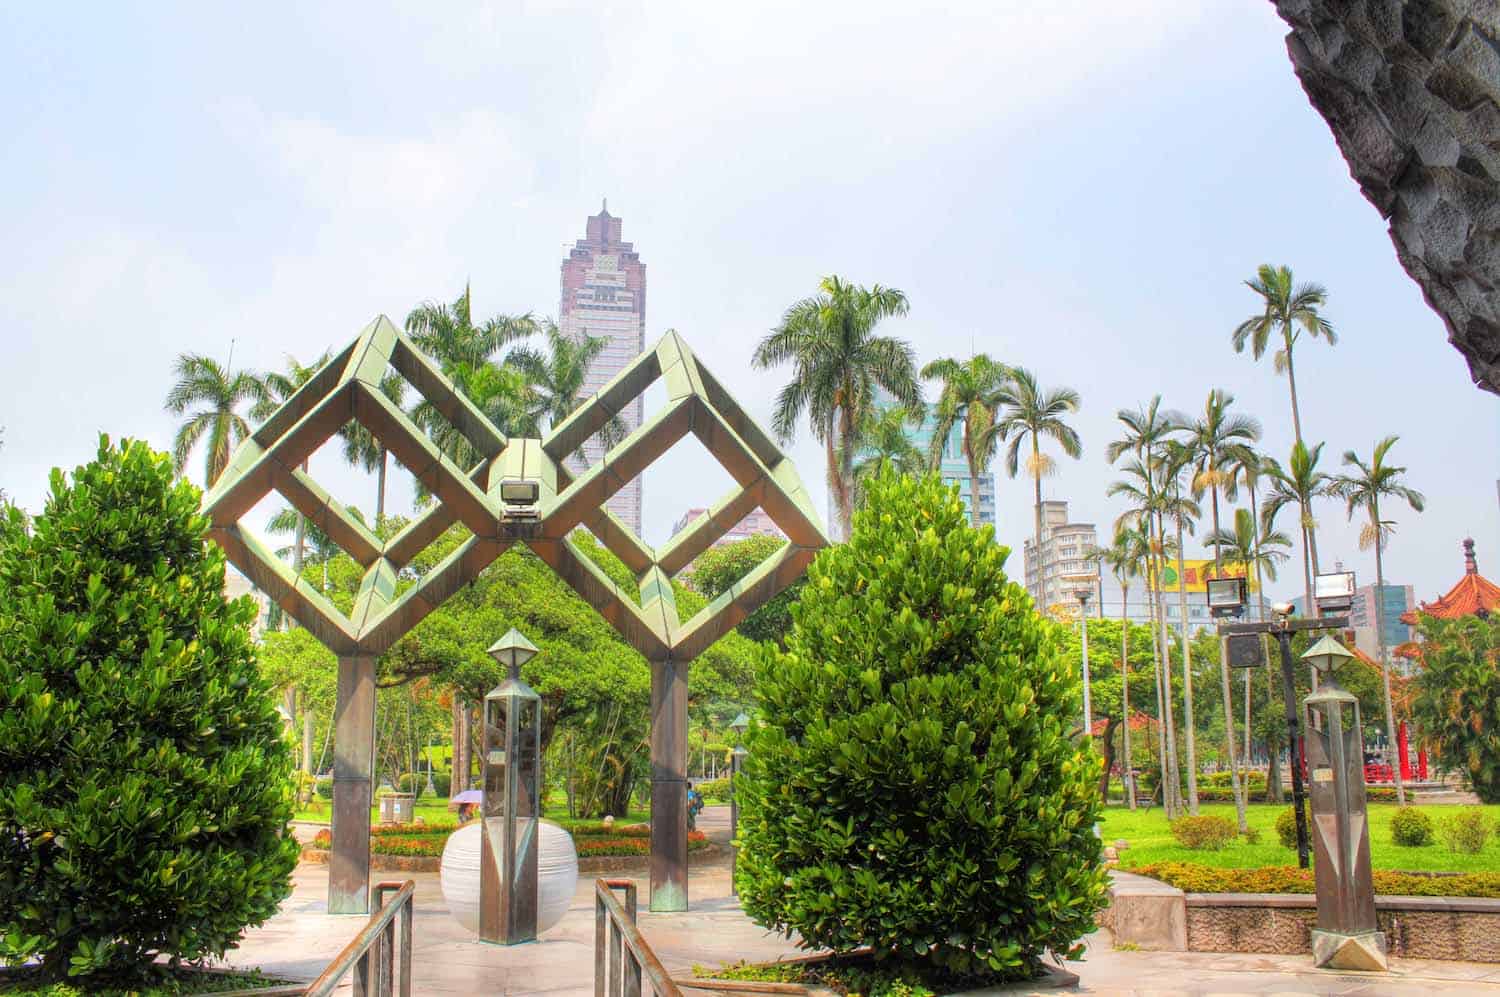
[
  {"x": 1392, "y": 757},
  {"x": 846, "y": 466},
  {"x": 1291, "y": 380},
  {"x": 1166, "y": 672},
  {"x": 1127, "y": 778},
  {"x": 1036, "y": 479},
  {"x": 837, "y": 528},
  {"x": 1187, "y": 681},
  {"x": 1163, "y": 767},
  {"x": 460, "y": 779},
  {"x": 380, "y": 489},
  {"x": 1234, "y": 776}
]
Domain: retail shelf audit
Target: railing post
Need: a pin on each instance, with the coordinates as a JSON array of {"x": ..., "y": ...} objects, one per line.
[
  {"x": 616, "y": 943},
  {"x": 601, "y": 928},
  {"x": 406, "y": 916},
  {"x": 632, "y": 982}
]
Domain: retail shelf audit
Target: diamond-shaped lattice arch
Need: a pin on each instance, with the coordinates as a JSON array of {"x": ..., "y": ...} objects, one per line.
[{"x": 348, "y": 387}]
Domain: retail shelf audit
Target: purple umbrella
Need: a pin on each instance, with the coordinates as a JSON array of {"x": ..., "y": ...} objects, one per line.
[{"x": 473, "y": 796}]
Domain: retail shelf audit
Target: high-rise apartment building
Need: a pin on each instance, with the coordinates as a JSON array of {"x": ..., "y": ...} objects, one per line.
[
  {"x": 1395, "y": 600},
  {"x": 952, "y": 465},
  {"x": 604, "y": 296},
  {"x": 1064, "y": 565},
  {"x": 755, "y": 524}
]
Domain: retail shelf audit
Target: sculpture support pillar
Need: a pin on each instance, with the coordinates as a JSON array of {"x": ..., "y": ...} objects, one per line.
[
  {"x": 669, "y": 721},
  {"x": 353, "y": 773}
]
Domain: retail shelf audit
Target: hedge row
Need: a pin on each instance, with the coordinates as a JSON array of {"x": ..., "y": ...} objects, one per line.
[{"x": 1190, "y": 877}]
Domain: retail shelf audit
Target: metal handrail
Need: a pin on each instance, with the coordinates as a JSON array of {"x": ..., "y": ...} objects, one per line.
[
  {"x": 629, "y": 957},
  {"x": 378, "y": 933}
]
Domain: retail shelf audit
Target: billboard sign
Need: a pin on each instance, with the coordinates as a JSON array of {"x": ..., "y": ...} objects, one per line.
[{"x": 1196, "y": 573}]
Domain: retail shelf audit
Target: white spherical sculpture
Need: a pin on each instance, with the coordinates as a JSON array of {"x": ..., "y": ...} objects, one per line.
[{"x": 556, "y": 873}]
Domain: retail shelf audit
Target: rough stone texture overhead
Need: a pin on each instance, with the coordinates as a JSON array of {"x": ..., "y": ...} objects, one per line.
[{"x": 1411, "y": 90}]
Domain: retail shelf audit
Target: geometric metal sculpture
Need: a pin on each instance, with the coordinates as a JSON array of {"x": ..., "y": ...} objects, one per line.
[
  {"x": 1347, "y": 935},
  {"x": 348, "y": 388},
  {"x": 512, "y": 801}
]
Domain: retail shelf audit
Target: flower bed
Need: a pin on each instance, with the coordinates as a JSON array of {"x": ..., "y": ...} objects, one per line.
[
  {"x": 1191, "y": 877},
  {"x": 414, "y": 840}
]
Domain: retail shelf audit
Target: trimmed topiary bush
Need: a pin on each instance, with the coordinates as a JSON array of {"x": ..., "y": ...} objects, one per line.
[
  {"x": 714, "y": 790},
  {"x": 1206, "y": 831},
  {"x": 1411, "y": 827},
  {"x": 912, "y": 784},
  {"x": 145, "y": 787}
]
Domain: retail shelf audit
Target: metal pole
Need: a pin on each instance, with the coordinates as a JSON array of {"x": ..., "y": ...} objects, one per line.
[
  {"x": 353, "y": 773},
  {"x": 1294, "y": 741},
  {"x": 734, "y": 818},
  {"x": 669, "y": 720}
]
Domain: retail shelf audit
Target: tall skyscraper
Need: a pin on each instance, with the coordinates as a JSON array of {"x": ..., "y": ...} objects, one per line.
[{"x": 604, "y": 296}]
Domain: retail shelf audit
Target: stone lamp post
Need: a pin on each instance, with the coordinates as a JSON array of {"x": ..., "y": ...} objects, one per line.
[
  {"x": 1347, "y": 935},
  {"x": 511, "y": 805}
]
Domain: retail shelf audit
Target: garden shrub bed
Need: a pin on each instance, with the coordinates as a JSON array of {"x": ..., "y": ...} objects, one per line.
[
  {"x": 27, "y": 982},
  {"x": 858, "y": 974},
  {"x": 638, "y": 842},
  {"x": 1190, "y": 877}
]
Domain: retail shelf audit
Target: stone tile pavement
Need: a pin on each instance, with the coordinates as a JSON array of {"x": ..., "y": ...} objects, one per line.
[{"x": 301, "y": 940}]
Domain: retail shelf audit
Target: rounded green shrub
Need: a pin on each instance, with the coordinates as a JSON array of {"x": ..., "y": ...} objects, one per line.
[
  {"x": 145, "y": 787},
  {"x": 325, "y": 787},
  {"x": 1286, "y": 828},
  {"x": 915, "y": 782},
  {"x": 1206, "y": 832},
  {"x": 716, "y": 790},
  {"x": 1411, "y": 827}
]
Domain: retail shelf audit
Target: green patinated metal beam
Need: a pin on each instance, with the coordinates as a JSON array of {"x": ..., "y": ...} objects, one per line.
[{"x": 349, "y": 389}]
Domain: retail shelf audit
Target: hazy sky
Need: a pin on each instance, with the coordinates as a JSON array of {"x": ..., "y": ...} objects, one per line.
[{"x": 1077, "y": 188}]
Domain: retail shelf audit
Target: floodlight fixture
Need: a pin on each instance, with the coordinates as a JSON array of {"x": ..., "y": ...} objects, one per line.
[
  {"x": 518, "y": 498},
  {"x": 1226, "y": 597},
  {"x": 1334, "y": 592}
]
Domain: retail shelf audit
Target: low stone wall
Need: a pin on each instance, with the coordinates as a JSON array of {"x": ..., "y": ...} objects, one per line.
[
  {"x": 589, "y": 864},
  {"x": 1462, "y": 928}
]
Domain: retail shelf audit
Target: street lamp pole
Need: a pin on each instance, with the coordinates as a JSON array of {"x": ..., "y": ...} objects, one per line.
[
  {"x": 1293, "y": 738},
  {"x": 737, "y": 756}
]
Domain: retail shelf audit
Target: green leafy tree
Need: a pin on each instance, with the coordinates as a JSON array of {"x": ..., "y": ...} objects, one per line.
[
  {"x": 215, "y": 397},
  {"x": 1362, "y": 489},
  {"x": 915, "y": 783},
  {"x": 1288, "y": 310},
  {"x": 1457, "y": 696},
  {"x": 970, "y": 393},
  {"x": 837, "y": 361},
  {"x": 885, "y": 438},
  {"x": 144, "y": 781},
  {"x": 718, "y": 568}
]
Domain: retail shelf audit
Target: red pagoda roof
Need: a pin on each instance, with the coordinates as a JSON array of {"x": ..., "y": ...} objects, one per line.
[{"x": 1473, "y": 595}]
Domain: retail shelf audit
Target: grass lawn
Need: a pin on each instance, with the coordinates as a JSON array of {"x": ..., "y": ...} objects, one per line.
[{"x": 1151, "y": 841}]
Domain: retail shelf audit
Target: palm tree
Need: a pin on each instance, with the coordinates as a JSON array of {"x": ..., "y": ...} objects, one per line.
[
  {"x": 1212, "y": 443},
  {"x": 1029, "y": 413},
  {"x": 364, "y": 451},
  {"x": 202, "y": 382},
  {"x": 1288, "y": 310},
  {"x": 555, "y": 380},
  {"x": 448, "y": 335},
  {"x": 1363, "y": 489},
  {"x": 1299, "y": 482},
  {"x": 969, "y": 391},
  {"x": 1184, "y": 511},
  {"x": 1248, "y": 548},
  {"x": 1124, "y": 557},
  {"x": 1146, "y": 432},
  {"x": 1142, "y": 489},
  {"x": 837, "y": 361},
  {"x": 281, "y": 385},
  {"x": 885, "y": 439}
]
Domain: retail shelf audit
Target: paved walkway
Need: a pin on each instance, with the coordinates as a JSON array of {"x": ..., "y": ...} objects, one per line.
[{"x": 301, "y": 940}]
